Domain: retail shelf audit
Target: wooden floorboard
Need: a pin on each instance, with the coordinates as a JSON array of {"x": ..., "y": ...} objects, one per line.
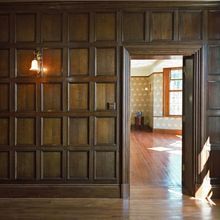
[{"x": 159, "y": 199}]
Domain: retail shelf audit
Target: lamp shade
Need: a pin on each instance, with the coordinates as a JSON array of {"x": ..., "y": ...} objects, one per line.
[{"x": 34, "y": 65}]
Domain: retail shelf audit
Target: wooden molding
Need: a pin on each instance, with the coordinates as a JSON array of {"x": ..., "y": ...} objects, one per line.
[{"x": 61, "y": 191}]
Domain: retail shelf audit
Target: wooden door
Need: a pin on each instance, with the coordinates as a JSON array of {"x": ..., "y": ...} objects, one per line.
[{"x": 188, "y": 129}]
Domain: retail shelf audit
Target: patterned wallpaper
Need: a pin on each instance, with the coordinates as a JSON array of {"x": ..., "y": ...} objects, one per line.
[
  {"x": 151, "y": 102},
  {"x": 140, "y": 98}
]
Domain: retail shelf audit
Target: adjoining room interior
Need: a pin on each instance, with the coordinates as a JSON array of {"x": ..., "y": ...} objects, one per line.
[{"x": 156, "y": 122}]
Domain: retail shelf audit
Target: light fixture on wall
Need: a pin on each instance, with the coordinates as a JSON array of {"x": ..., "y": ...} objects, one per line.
[{"x": 37, "y": 62}]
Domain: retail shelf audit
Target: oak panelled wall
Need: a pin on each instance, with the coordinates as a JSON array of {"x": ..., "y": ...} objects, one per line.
[{"x": 63, "y": 128}]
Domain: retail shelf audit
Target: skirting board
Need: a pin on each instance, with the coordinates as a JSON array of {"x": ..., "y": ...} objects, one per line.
[
  {"x": 59, "y": 191},
  {"x": 167, "y": 131}
]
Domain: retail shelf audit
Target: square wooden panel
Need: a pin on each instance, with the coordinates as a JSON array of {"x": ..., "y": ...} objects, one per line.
[
  {"x": 190, "y": 26},
  {"x": 26, "y": 97},
  {"x": 51, "y": 27},
  {"x": 52, "y": 131},
  {"x": 105, "y": 26},
  {"x": 214, "y": 95},
  {"x": 105, "y": 165},
  {"x": 24, "y": 58},
  {"x": 105, "y": 61},
  {"x": 4, "y": 63},
  {"x": 104, "y": 95},
  {"x": 52, "y": 61},
  {"x": 214, "y": 129},
  {"x": 4, "y": 131},
  {"x": 213, "y": 25},
  {"x": 78, "y": 131},
  {"x": 25, "y": 27},
  {"x": 79, "y": 61},
  {"x": 214, "y": 60},
  {"x": 105, "y": 131},
  {"x": 78, "y": 96},
  {"x": 4, "y": 97},
  {"x": 4, "y": 25},
  {"x": 79, "y": 27},
  {"x": 52, "y": 97},
  {"x": 162, "y": 26},
  {"x": 214, "y": 164},
  {"x": 133, "y": 26},
  {"x": 25, "y": 131},
  {"x": 51, "y": 165},
  {"x": 25, "y": 167},
  {"x": 4, "y": 165},
  {"x": 78, "y": 165}
]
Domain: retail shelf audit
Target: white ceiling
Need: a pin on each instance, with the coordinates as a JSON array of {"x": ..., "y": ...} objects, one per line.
[{"x": 149, "y": 66}]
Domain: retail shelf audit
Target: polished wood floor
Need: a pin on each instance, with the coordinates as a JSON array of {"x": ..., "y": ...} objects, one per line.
[
  {"x": 154, "y": 195},
  {"x": 155, "y": 159}
]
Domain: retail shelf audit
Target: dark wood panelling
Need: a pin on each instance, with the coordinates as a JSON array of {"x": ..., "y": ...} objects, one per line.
[
  {"x": 4, "y": 165},
  {"x": 78, "y": 165},
  {"x": 105, "y": 26},
  {"x": 79, "y": 61},
  {"x": 4, "y": 27},
  {"x": 213, "y": 24},
  {"x": 26, "y": 97},
  {"x": 78, "y": 131},
  {"x": 105, "y": 133},
  {"x": 52, "y": 131},
  {"x": 4, "y": 131},
  {"x": 51, "y": 27},
  {"x": 105, "y": 165},
  {"x": 214, "y": 95},
  {"x": 25, "y": 131},
  {"x": 24, "y": 58},
  {"x": 162, "y": 26},
  {"x": 133, "y": 26},
  {"x": 105, "y": 61},
  {"x": 51, "y": 165},
  {"x": 52, "y": 62},
  {"x": 4, "y": 63},
  {"x": 25, "y": 165},
  {"x": 25, "y": 32},
  {"x": 78, "y": 96},
  {"x": 79, "y": 27},
  {"x": 105, "y": 94},
  {"x": 52, "y": 97},
  {"x": 190, "y": 25},
  {"x": 214, "y": 129},
  {"x": 215, "y": 163},
  {"x": 214, "y": 60},
  {"x": 4, "y": 97}
]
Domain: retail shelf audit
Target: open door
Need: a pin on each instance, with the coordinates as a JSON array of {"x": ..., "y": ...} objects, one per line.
[{"x": 188, "y": 166}]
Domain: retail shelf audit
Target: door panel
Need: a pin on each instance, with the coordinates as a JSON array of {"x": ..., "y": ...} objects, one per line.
[{"x": 187, "y": 151}]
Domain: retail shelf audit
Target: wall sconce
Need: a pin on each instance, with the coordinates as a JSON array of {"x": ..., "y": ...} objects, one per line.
[{"x": 37, "y": 62}]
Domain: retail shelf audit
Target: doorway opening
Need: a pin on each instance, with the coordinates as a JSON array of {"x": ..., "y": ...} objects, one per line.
[{"x": 156, "y": 91}]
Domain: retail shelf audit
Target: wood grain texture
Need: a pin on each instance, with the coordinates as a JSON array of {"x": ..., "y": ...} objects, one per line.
[
  {"x": 4, "y": 130},
  {"x": 78, "y": 27},
  {"x": 4, "y": 165},
  {"x": 162, "y": 26},
  {"x": 190, "y": 25},
  {"x": 27, "y": 32},
  {"x": 26, "y": 97},
  {"x": 4, "y": 63},
  {"x": 105, "y": 26},
  {"x": 4, "y": 97},
  {"x": 4, "y": 25},
  {"x": 79, "y": 61},
  {"x": 213, "y": 23}
]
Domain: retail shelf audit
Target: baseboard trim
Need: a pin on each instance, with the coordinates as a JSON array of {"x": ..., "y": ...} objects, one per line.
[
  {"x": 60, "y": 191},
  {"x": 168, "y": 131}
]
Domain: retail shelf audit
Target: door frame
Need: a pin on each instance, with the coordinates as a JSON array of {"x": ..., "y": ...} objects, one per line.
[{"x": 199, "y": 103}]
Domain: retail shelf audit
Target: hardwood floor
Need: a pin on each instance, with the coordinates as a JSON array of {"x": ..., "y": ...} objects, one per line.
[
  {"x": 155, "y": 159},
  {"x": 159, "y": 198}
]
